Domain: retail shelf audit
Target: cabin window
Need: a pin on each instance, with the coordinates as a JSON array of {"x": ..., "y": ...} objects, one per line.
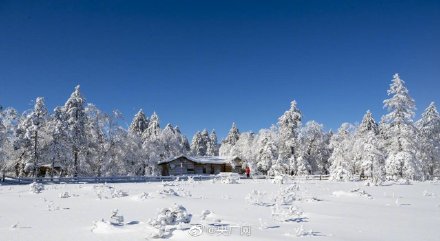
[
  {"x": 204, "y": 169},
  {"x": 190, "y": 170}
]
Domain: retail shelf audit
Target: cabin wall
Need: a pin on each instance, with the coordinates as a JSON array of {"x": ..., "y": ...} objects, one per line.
[{"x": 183, "y": 166}]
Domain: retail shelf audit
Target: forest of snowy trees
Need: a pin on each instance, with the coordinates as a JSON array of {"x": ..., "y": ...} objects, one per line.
[{"x": 88, "y": 142}]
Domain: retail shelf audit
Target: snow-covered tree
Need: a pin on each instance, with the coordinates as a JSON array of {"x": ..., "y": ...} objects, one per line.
[
  {"x": 212, "y": 148},
  {"x": 429, "y": 141},
  {"x": 369, "y": 158},
  {"x": 153, "y": 129},
  {"x": 153, "y": 145},
  {"x": 341, "y": 159},
  {"x": 288, "y": 126},
  {"x": 267, "y": 151},
  {"x": 8, "y": 125},
  {"x": 139, "y": 124},
  {"x": 76, "y": 119},
  {"x": 30, "y": 135},
  {"x": 229, "y": 142},
  {"x": 313, "y": 150},
  {"x": 400, "y": 133}
]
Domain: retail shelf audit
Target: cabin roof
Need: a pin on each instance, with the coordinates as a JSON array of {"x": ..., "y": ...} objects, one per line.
[{"x": 203, "y": 159}]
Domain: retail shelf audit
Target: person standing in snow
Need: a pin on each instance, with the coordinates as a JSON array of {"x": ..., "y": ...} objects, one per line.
[{"x": 248, "y": 171}]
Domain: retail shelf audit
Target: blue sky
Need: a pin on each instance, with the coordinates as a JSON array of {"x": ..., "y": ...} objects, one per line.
[{"x": 205, "y": 64}]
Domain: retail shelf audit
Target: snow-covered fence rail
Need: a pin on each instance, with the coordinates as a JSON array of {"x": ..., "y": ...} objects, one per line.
[
  {"x": 311, "y": 177},
  {"x": 116, "y": 179}
]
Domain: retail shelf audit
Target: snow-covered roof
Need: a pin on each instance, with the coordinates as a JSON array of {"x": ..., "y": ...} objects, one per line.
[{"x": 203, "y": 159}]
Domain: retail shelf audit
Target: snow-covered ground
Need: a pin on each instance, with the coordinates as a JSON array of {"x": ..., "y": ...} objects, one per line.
[{"x": 249, "y": 210}]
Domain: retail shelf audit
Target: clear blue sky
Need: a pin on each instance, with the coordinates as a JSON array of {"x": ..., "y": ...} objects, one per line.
[{"x": 204, "y": 64}]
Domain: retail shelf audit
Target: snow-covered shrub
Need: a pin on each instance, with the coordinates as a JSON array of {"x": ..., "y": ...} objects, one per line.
[
  {"x": 116, "y": 219},
  {"x": 256, "y": 197},
  {"x": 209, "y": 216},
  {"x": 403, "y": 181},
  {"x": 280, "y": 179},
  {"x": 116, "y": 193},
  {"x": 428, "y": 194},
  {"x": 288, "y": 195},
  {"x": 361, "y": 193},
  {"x": 168, "y": 192},
  {"x": 229, "y": 178},
  {"x": 105, "y": 191},
  {"x": 300, "y": 232},
  {"x": 36, "y": 187},
  {"x": 290, "y": 213},
  {"x": 170, "y": 219},
  {"x": 64, "y": 195}
]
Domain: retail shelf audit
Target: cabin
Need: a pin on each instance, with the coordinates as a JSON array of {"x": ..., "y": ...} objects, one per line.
[{"x": 187, "y": 165}]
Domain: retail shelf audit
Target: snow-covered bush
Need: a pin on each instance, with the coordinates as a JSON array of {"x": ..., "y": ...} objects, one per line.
[
  {"x": 209, "y": 216},
  {"x": 280, "y": 179},
  {"x": 256, "y": 197},
  {"x": 290, "y": 213},
  {"x": 116, "y": 193},
  {"x": 64, "y": 195},
  {"x": 288, "y": 195},
  {"x": 105, "y": 191},
  {"x": 170, "y": 219},
  {"x": 229, "y": 178},
  {"x": 116, "y": 219},
  {"x": 168, "y": 192},
  {"x": 36, "y": 187}
]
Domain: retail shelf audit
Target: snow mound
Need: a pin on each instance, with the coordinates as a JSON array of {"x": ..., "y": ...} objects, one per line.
[
  {"x": 170, "y": 219},
  {"x": 357, "y": 192},
  {"x": 428, "y": 194},
  {"x": 142, "y": 196},
  {"x": 36, "y": 187}
]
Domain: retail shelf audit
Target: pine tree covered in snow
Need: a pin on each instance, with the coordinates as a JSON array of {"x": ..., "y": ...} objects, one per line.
[
  {"x": 229, "y": 142},
  {"x": 75, "y": 117},
  {"x": 212, "y": 145},
  {"x": 139, "y": 124},
  {"x": 267, "y": 151},
  {"x": 30, "y": 134},
  {"x": 369, "y": 158},
  {"x": 8, "y": 118},
  {"x": 400, "y": 133},
  {"x": 288, "y": 128},
  {"x": 341, "y": 159},
  {"x": 429, "y": 141}
]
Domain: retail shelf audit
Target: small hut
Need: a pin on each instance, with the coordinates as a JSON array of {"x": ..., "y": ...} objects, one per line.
[{"x": 187, "y": 165}]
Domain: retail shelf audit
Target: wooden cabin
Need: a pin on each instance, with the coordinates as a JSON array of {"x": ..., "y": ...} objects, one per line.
[{"x": 187, "y": 165}]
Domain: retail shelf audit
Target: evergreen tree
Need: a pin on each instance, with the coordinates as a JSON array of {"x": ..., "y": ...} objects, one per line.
[
  {"x": 341, "y": 168},
  {"x": 400, "y": 133},
  {"x": 429, "y": 141},
  {"x": 228, "y": 143},
  {"x": 153, "y": 129},
  {"x": 212, "y": 149},
  {"x": 367, "y": 148},
  {"x": 288, "y": 125},
  {"x": 30, "y": 134},
  {"x": 76, "y": 119},
  {"x": 139, "y": 124}
]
